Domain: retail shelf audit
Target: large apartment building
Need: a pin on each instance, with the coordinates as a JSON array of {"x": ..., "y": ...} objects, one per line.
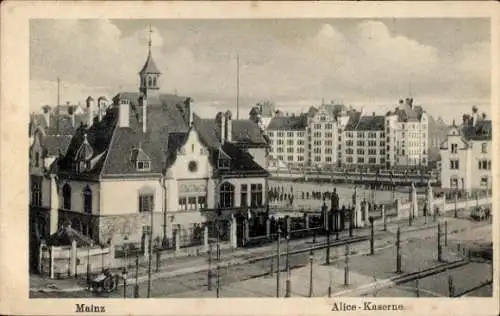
[
  {"x": 407, "y": 134},
  {"x": 466, "y": 155},
  {"x": 287, "y": 140},
  {"x": 364, "y": 140}
]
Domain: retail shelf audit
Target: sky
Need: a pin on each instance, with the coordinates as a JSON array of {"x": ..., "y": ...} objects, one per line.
[{"x": 368, "y": 63}]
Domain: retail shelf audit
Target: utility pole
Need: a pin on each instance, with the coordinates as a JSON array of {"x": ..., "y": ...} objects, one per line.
[
  {"x": 372, "y": 248},
  {"x": 311, "y": 259},
  {"x": 209, "y": 273},
  {"x": 136, "y": 285},
  {"x": 218, "y": 262},
  {"x": 150, "y": 257},
  {"x": 327, "y": 259},
  {"x": 398, "y": 255},
  {"x": 288, "y": 281},
  {"x": 238, "y": 87},
  {"x": 278, "y": 263},
  {"x": 58, "y": 104},
  {"x": 439, "y": 243}
]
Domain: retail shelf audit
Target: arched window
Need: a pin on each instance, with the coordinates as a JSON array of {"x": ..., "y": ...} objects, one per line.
[
  {"x": 150, "y": 81},
  {"x": 66, "y": 192},
  {"x": 226, "y": 198},
  {"x": 87, "y": 200}
]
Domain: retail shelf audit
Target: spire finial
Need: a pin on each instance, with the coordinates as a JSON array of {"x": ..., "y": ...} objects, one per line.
[{"x": 149, "y": 40}]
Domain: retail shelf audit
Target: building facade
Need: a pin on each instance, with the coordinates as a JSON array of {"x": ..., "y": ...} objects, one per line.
[
  {"x": 466, "y": 155},
  {"x": 364, "y": 141},
  {"x": 406, "y": 131},
  {"x": 288, "y": 141},
  {"x": 148, "y": 166}
]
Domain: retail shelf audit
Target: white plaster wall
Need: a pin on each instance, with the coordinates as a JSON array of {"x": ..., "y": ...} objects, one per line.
[
  {"x": 462, "y": 155},
  {"x": 192, "y": 150},
  {"x": 121, "y": 196},
  {"x": 260, "y": 156},
  {"x": 46, "y": 192}
]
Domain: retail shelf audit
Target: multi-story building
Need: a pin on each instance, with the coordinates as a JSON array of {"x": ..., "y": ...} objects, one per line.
[
  {"x": 150, "y": 166},
  {"x": 287, "y": 140},
  {"x": 466, "y": 155},
  {"x": 364, "y": 140},
  {"x": 322, "y": 136},
  {"x": 406, "y": 130}
]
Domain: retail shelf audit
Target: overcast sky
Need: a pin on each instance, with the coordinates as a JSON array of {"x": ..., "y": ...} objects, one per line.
[{"x": 365, "y": 62}]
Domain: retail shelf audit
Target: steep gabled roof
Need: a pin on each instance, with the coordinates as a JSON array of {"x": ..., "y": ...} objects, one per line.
[
  {"x": 371, "y": 123},
  {"x": 288, "y": 123},
  {"x": 149, "y": 66},
  {"x": 353, "y": 121}
]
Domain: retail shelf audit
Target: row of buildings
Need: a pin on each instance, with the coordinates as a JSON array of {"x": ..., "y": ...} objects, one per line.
[
  {"x": 333, "y": 135},
  {"x": 146, "y": 164}
]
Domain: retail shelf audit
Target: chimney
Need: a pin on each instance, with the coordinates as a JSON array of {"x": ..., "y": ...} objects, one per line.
[
  {"x": 46, "y": 114},
  {"x": 123, "y": 113},
  {"x": 188, "y": 109},
  {"x": 71, "y": 112},
  {"x": 220, "y": 122},
  {"x": 229, "y": 126},
  {"x": 143, "y": 101}
]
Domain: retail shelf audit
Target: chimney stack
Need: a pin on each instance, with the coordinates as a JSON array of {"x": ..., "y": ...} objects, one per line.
[
  {"x": 71, "y": 112},
  {"x": 221, "y": 124},
  {"x": 46, "y": 114},
  {"x": 123, "y": 113},
  {"x": 229, "y": 126},
  {"x": 143, "y": 101}
]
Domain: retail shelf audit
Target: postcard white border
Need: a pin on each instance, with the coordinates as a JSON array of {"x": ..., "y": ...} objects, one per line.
[{"x": 14, "y": 150}]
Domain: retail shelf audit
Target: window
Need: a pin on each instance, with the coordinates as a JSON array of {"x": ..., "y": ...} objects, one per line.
[
  {"x": 289, "y": 134},
  {"x": 317, "y": 150},
  {"x": 454, "y": 148},
  {"x": 328, "y": 134},
  {"x": 328, "y": 159},
  {"x": 349, "y": 143},
  {"x": 192, "y": 202},
  {"x": 280, "y": 141},
  {"x": 360, "y": 143},
  {"x": 382, "y": 143},
  {"x": 300, "y": 142},
  {"x": 317, "y": 143},
  {"x": 382, "y": 151},
  {"x": 484, "y": 165},
  {"x": 349, "y": 151},
  {"x": 317, "y": 158},
  {"x": 256, "y": 195},
  {"x": 372, "y": 151},
  {"x": 349, "y": 159},
  {"x": 143, "y": 165},
  {"x": 271, "y": 134},
  {"x": 484, "y": 148},
  {"x": 300, "y": 150},
  {"x": 317, "y": 126},
  {"x": 454, "y": 164},
  {"x": 280, "y": 157},
  {"x": 87, "y": 200},
  {"x": 244, "y": 195},
  {"x": 37, "y": 159},
  {"x": 372, "y": 160},
  {"x": 290, "y": 158},
  {"x": 289, "y": 150},
  {"x": 317, "y": 134},
  {"x": 289, "y": 142},
  {"x": 226, "y": 198},
  {"x": 360, "y": 151},
  {"x": 202, "y": 202},
  {"x": 66, "y": 197},
  {"x": 328, "y": 151},
  {"x": 300, "y": 158},
  {"x": 372, "y": 143},
  {"x": 484, "y": 181},
  {"x": 454, "y": 183},
  {"x": 280, "y": 134},
  {"x": 146, "y": 202},
  {"x": 36, "y": 191},
  {"x": 361, "y": 160},
  {"x": 361, "y": 135},
  {"x": 280, "y": 149},
  {"x": 224, "y": 163},
  {"x": 328, "y": 126},
  {"x": 382, "y": 160}
]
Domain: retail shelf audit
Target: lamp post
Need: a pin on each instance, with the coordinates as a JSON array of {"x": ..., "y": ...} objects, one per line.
[
  {"x": 88, "y": 263},
  {"x": 288, "y": 281},
  {"x": 209, "y": 272},
  {"x": 124, "y": 276},
  {"x": 278, "y": 263},
  {"x": 372, "y": 248},
  {"x": 311, "y": 259}
]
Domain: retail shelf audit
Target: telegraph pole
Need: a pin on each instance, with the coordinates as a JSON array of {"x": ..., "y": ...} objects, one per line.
[
  {"x": 278, "y": 264},
  {"x": 439, "y": 243},
  {"x": 288, "y": 281},
  {"x": 346, "y": 267},
  {"x": 398, "y": 255}
]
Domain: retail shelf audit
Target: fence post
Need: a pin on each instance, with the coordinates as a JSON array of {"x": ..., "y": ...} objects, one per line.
[
  {"x": 398, "y": 255},
  {"x": 136, "y": 285},
  {"x": 451, "y": 287},
  {"x": 446, "y": 234},
  {"x": 346, "y": 267}
]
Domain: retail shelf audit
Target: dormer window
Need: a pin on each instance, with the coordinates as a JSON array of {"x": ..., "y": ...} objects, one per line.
[
  {"x": 143, "y": 165},
  {"x": 140, "y": 159},
  {"x": 83, "y": 156},
  {"x": 223, "y": 161}
]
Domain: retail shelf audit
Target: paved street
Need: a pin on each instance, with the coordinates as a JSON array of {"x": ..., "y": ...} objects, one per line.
[{"x": 418, "y": 249}]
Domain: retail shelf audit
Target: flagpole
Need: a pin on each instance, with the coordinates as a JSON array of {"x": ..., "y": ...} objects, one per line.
[{"x": 238, "y": 86}]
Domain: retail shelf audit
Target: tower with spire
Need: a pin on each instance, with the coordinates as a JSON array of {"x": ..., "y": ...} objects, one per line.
[{"x": 150, "y": 76}]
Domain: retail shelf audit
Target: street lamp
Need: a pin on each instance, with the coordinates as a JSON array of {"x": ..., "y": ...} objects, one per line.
[{"x": 311, "y": 259}]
